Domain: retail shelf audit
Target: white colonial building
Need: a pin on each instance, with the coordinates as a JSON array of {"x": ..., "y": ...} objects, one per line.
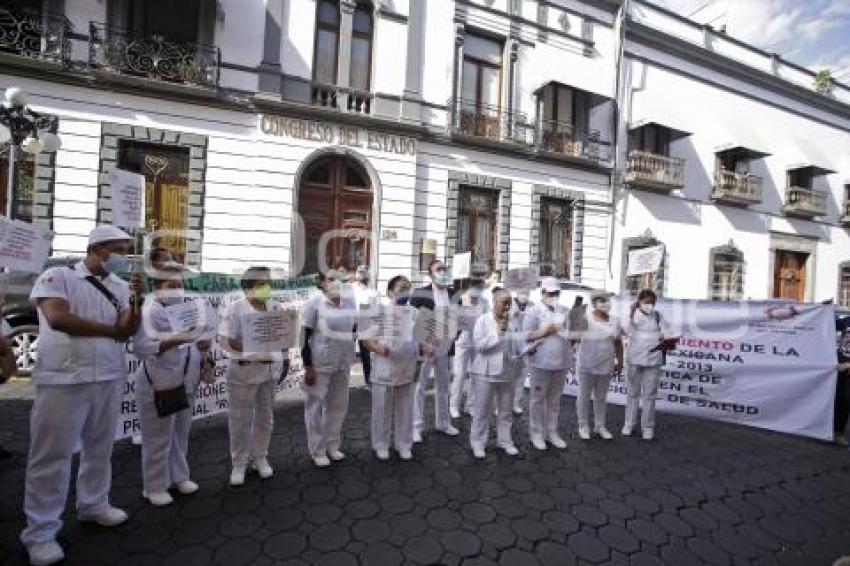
[{"x": 563, "y": 133}]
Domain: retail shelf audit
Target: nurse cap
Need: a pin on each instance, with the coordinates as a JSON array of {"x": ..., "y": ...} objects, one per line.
[{"x": 107, "y": 233}]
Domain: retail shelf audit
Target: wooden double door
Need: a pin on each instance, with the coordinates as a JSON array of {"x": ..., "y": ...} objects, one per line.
[
  {"x": 789, "y": 275},
  {"x": 335, "y": 195}
]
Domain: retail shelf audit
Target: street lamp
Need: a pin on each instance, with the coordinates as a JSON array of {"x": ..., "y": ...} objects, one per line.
[{"x": 24, "y": 130}]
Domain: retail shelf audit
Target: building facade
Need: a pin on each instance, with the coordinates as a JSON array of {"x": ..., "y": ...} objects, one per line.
[{"x": 561, "y": 133}]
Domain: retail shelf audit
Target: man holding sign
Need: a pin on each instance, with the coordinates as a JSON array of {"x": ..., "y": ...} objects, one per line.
[
  {"x": 86, "y": 313},
  {"x": 255, "y": 334}
]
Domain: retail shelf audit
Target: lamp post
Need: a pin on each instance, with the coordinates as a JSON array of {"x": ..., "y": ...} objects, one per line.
[{"x": 28, "y": 131}]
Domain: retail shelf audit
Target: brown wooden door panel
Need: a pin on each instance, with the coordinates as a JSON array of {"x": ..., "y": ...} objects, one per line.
[{"x": 789, "y": 275}]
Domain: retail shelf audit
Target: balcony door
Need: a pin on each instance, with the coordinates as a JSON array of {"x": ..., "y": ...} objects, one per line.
[
  {"x": 478, "y": 225},
  {"x": 556, "y": 238},
  {"x": 481, "y": 87},
  {"x": 789, "y": 275},
  {"x": 335, "y": 194},
  {"x": 183, "y": 22}
]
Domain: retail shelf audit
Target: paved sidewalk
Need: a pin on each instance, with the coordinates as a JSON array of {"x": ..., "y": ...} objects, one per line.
[{"x": 702, "y": 492}]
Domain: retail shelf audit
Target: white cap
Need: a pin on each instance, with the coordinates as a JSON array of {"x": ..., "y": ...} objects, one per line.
[
  {"x": 107, "y": 233},
  {"x": 549, "y": 285}
]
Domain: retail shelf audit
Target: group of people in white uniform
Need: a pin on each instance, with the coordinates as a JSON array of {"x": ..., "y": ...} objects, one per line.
[{"x": 87, "y": 314}]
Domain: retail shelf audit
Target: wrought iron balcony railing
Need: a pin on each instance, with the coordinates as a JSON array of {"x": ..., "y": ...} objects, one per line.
[
  {"x": 653, "y": 171},
  {"x": 845, "y": 217},
  {"x": 807, "y": 203},
  {"x": 35, "y": 35},
  {"x": 488, "y": 122},
  {"x": 564, "y": 139},
  {"x": 736, "y": 188},
  {"x": 153, "y": 57},
  {"x": 331, "y": 96}
]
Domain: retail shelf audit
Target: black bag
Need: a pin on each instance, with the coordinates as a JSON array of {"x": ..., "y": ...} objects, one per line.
[{"x": 170, "y": 401}]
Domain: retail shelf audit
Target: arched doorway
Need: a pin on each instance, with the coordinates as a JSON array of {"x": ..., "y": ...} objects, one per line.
[{"x": 335, "y": 194}]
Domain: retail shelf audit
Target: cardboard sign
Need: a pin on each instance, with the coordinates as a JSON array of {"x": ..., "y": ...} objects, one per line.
[
  {"x": 128, "y": 198},
  {"x": 23, "y": 246}
]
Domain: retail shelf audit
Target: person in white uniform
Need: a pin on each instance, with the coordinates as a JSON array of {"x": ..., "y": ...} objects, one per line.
[
  {"x": 86, "y": 314},
  {"x": 394, "y": 370},
  {"x": 437, "y": 295},
  {"x": 366, "y": 299},
  {"x": 462, "y": 391},
  {"x": 519, "y": 306},
  {"x": 600, "y": 356},
  {"x": 251, "y": 377},
  {"x": 550, "y": 356},
  {"x": 495, "y": 368},
  {"x": 329, "y": 322},
  {"x": 646, "y": 329},
  {"x": 170, "y": 359}
]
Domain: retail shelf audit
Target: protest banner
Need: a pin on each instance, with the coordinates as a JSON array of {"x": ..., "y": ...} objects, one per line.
[
  {"x": 128, "y": 198},
  {"x": 216, "y": 291},
  {"x": 23, "y": 246},
  {"x": 758, "y": 363}
]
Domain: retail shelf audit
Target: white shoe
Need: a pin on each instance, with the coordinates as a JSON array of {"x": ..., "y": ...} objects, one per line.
[
  {"x": 382, "y": 454},
  {"x": 510, "y": 450},
  {"x": 648, "y": 434},
  {"x": 336, "y": 455},
  {"x": 159, "y": 499},
  {"x": 109, "y": 517},
  {"x": 321, "y": 461},
  {"x": 237, "y": 475},
  {"x": 417, "y": 437},
  {"x": 263, "y": 468},
  {"x": 405, "y": 454},
  {"x": 479, "y": 453},
  {"x": 45, "y": 553},
  {"x": 186, "y": 487},
  {"x": 584, "y": 433},
  {"x": 455, "y": 413},
  {"x": 557, "y": 441},
  {"x": 627, "y": 431},
  {"x": 538, "y": 443},
  {"x": 450, "y": 430},
  {"x": 604, "y": 433}
]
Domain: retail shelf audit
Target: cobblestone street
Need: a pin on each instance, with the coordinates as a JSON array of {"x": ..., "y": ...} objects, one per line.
[{"x": 702, "y": 492}]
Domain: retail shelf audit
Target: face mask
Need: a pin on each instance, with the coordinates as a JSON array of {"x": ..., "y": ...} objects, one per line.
[
  {"x": 442, "y": 278},
  {"x": 171, "y": 297},
  {"x": 647, "y": 308},
  {"x": 263, "y": 292},
  {"x": 549, "y": 300},
  {"x": 603, "y": 306},
  {"x": 116, "y": 263},
  {"x": 401, "y": 300}
]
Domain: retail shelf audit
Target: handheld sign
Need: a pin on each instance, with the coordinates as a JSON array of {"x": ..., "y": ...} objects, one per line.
[
  {"x": 270, "y": 331},
  {"x": 437, "y": 327},
  {"x": 521, "y": 279},
  {"x": 462, "y": 266},
  {"x": 23, "y": 246},
  {"x": 128, "y": 198}
]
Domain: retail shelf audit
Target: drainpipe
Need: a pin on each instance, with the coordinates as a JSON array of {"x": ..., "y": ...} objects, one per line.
[{"x": 617, "y": 174}]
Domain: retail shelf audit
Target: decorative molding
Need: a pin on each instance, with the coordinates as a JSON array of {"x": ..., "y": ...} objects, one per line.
[
  {"x": 728, "y": 249},
  {"x": 113, "y": 133}
]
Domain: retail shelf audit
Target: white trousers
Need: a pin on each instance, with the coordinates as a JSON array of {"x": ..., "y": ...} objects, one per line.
[
  {"x": 486, "y": 393},
  {"x": 63, "y": 418},
  {"x": 519, "y": 387},
  {"x": 165, "y": 445},
  {"x": 442, "y": 420},
  {"x": 544, "y": 405},
  {"x": 642, "y": 387},
  {"x": 598, "y": 384},
  {"x": 250, "y": 420},
  {"x": 392, "y": 416},
  {"x": 463, "y": 390},
  {"x": 324, "y": 411}
]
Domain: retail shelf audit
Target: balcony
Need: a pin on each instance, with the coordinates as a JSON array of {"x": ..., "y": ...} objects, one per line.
[
  {"x": 35, "y": 36},
  {"x": 335, "y": 97},
  {"x": 564, "y": 140},
  {"x": 845, "y": 217},
  {"x": 736, "y": 188},
  {"x": 655, "y": 172},
  {"x": 804, "y": 203},
  {"x": 489, "y": 123},
  {"x": 153, "y": 57}
]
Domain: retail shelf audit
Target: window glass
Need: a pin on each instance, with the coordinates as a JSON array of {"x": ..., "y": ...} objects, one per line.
[
  {"x": 483, "y": 49},
  {"x": 844, "y": 286},
  {"x": 328, "y": 13},
  {"x": 326, "y": 46},
  {"x": 362, "y": 20},
  {"x": 360, "y": 53}
]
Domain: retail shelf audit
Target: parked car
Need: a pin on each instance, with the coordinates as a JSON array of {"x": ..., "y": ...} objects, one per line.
[{"x": 21, "y": 315}]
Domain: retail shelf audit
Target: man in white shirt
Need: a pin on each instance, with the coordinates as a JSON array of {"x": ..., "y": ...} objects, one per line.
[{"x": 86, "y": 314}]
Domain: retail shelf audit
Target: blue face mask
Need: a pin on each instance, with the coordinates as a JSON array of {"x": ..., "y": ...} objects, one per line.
[
  {"x": 442, "y": 278},
  {"x": 117, "y": 263},
  {"x": 402, "y": 300}
]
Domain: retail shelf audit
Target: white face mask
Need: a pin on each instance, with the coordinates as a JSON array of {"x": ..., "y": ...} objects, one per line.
[
  {"x": 647, "y": 308},
  {"x": 171, "y": 296},
  {"x": 549, "y": 300}
]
